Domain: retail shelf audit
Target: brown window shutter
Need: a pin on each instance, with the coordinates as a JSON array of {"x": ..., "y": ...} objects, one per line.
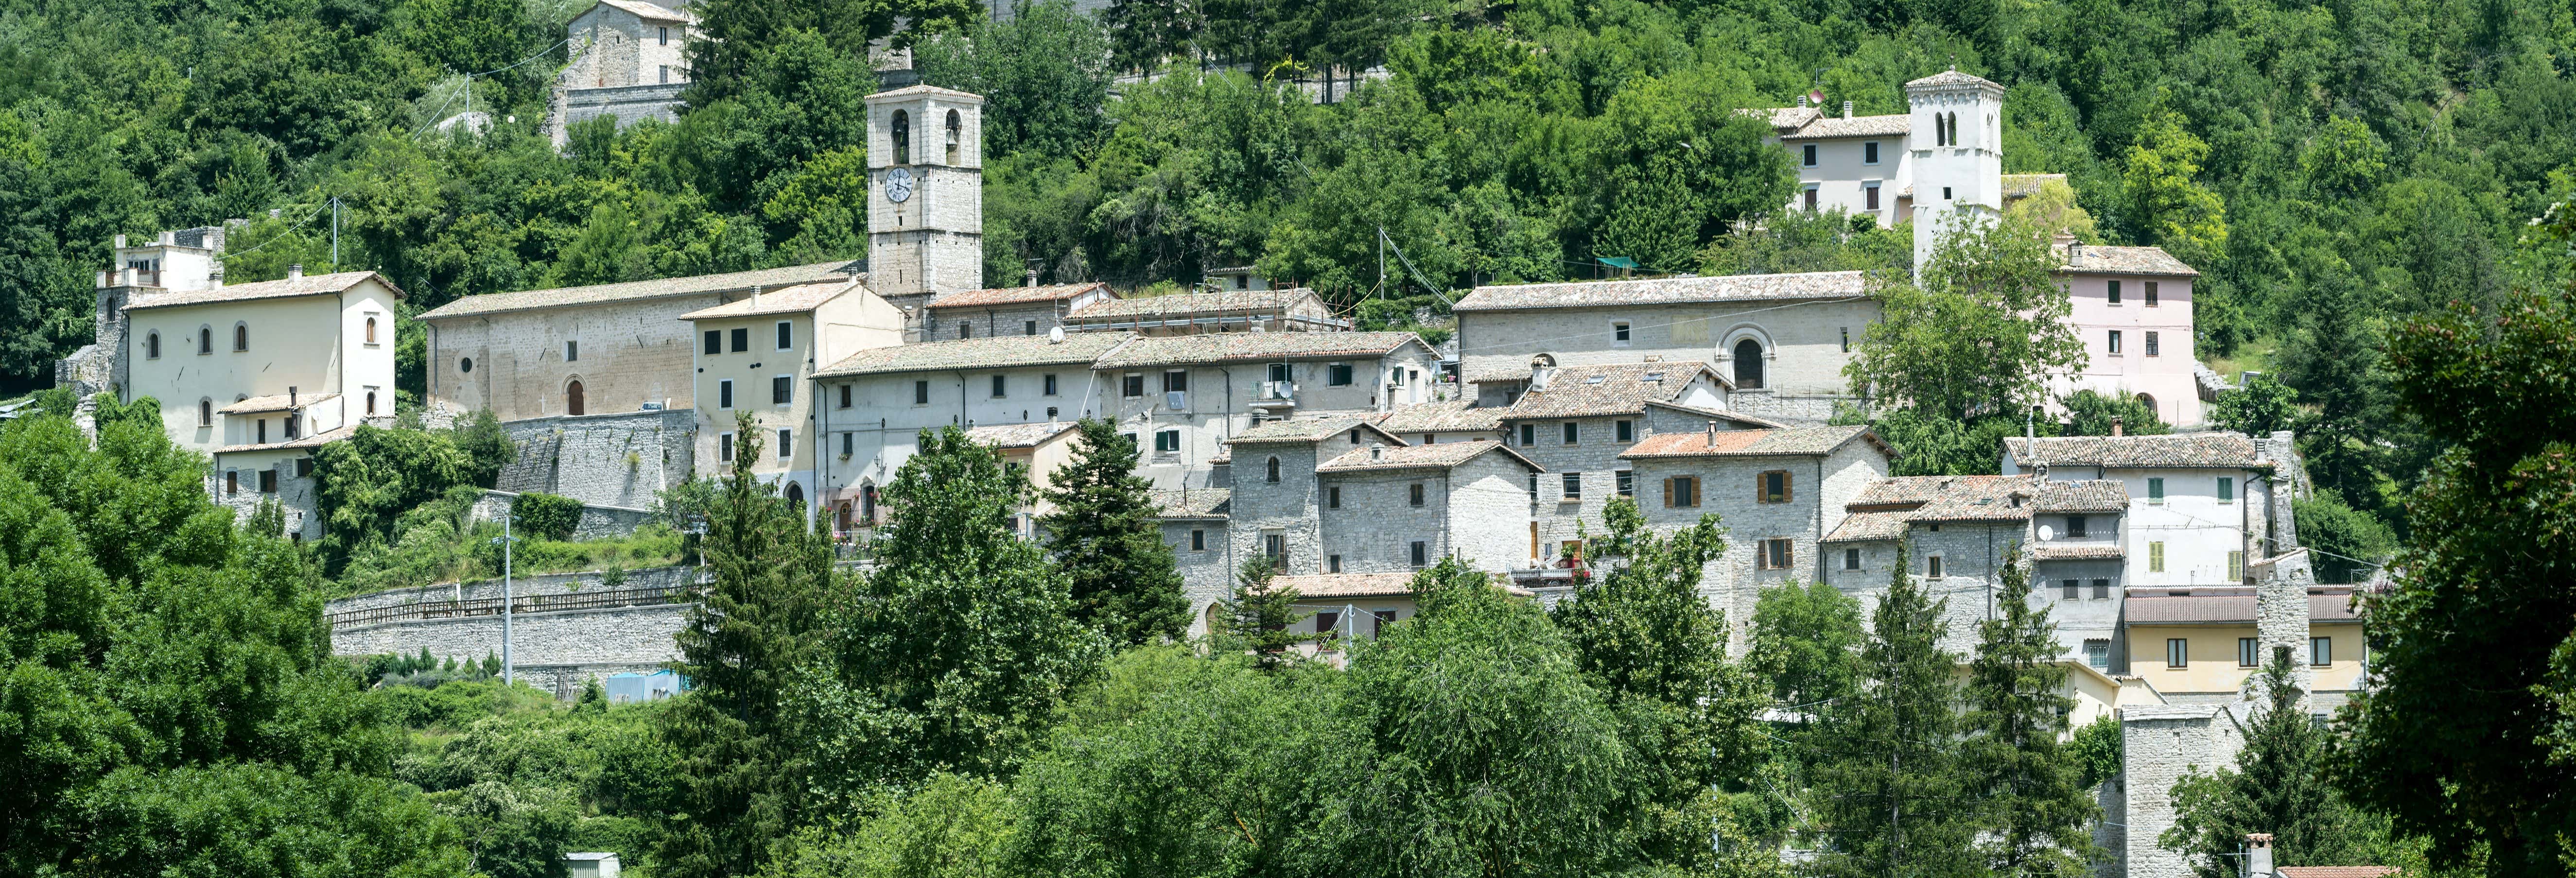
[
  {"x": 1761, "y": 490},
  {"x": 1788, "y": 487},
  {"x": 1668, "y": 493}
]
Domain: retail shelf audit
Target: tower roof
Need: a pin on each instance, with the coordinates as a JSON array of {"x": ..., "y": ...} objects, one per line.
[
  {"x": 1953, "y": 78},
  {"x": 915, "y": 91}
]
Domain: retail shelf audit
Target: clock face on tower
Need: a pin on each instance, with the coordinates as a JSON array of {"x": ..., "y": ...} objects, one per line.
[{"x": 898, "y": 185}]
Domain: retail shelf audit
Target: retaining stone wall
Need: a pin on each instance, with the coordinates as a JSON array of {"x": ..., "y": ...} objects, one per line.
[
  {"x": 555, "y": 651},
  {"x": 617, "y": 460}
]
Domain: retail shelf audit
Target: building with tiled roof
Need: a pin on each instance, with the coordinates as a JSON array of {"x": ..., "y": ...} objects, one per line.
[
  {"x": 976, "y": 354},
  {"x": 1028, "y": 310},
  {"x": 1407, "y": 457},
  {"x": 1256, "y": 347},
  {"x": 759, "y": 355},
  {"x": 2168, "y": 451},
  {"x": 1189, "y": 395},
  {"x": 629, "y": 61},
  {"x": 1267, "y": 310},
  {"x": 2199, "y": 644}
]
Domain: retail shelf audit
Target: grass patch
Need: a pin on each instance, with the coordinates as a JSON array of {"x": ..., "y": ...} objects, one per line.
[
  {"x": 2255, "y": 355},
  {"x": 438, "y": 542}
]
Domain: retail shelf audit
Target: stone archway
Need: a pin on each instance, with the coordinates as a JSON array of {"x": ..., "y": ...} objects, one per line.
[{"x": 572, "y": 398}]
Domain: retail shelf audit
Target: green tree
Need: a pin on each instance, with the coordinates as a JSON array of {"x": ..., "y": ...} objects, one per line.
[
  {"x": 2279, "y": 785},
  {"x": 957, "y": 651},
  {"x": 2089, "y": 413},
  {"x": 2171, "y": 206},
  {"x": 2332, "y": 358},
  {"x": 744, "y": 756},
  {"x": 2037, "y": 814},
  {"x": 1104, "y": 535},
  {"x": 2452, "y": 739},
  {"x": 2349, "y": 543},
  {"x": 1806, "y": 640},
  {"x": 2262, "y": 406},
  {"x": 1888, "y": 790},
  {"x": 1044, "y": 75},
  {"x": 1260, "y": 614},
  {"x": 363, "y": 484},
  {"x": 1978, "y": 336}
]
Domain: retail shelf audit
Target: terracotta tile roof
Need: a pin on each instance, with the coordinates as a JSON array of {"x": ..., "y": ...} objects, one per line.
[
  {"x": 650, "y": 11},
  {"x": 1667, "y": 290},
  {"x": 2099, "y": 259},
  {"x": 1453, "y": 416},
  {"x": 283, "y": 288},
  {"x": 1309, "y": 430},
  {"x": 1807, "y": 441},
  {"x": 2181, "y": 450},
  {"x": 1440, "y": 456},
  {"x": 2103, "y": 495},
  {"x": 2335, "y": 871},
  {"x": 2086, "y": 552},
  {"x": 1977, "y": 498},
  {"x": 1229, "y": 347},
  {"x": 997, "y": 352},
  {"x": 910, "y": 90},
  {"x": 1953, "y": 77},
  {"x": 1907, "y": 491},
  {"x": 1013, "y": 295},
  {"x": 274, "y": 403},
  {"x": 1785, "y": 119},
  {"x": 316, "y": 440},
  {"x": 1194, "y": 503},
  {"x": 600, "y": 294},
  {"x": 2223, "y": 609},
  {"x": 1190, "y": 304},
  {"x": 792, "y": 300},
  {"x": 1856, "y": 126},
  {"x": 1592, "y": 391},
  {"x": 1737, "y": 417},
  {"x": 2027, "y": 185},
  {"x": 1868, "y": 527},
  {"x": 1019, "y": 435}
]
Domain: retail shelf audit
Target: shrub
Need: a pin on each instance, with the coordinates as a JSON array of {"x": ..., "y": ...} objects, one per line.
[{"x": 546, "y": 516}]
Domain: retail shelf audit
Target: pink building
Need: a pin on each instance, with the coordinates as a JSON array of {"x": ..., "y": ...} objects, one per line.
[{"x": 2132, "y": 309}]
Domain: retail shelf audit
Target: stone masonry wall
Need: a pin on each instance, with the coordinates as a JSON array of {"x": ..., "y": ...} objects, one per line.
[
  {"x": 1377, "y": 523},
  {"x": 1207, "y": 575},
  {"x": 618, "y": 460},
  {"x": 2160, "y": 744},
  {"x": 1489, "y": 512},
  {"x": 1287, "y": 507},
  {"x": 556, "y": 651}
]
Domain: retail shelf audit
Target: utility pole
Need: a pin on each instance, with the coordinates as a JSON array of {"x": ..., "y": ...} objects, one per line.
[
  {"x": 507, "y": 597},
  {"x": 1381, "y": 259},
  {"x": 335, "y": 253}
]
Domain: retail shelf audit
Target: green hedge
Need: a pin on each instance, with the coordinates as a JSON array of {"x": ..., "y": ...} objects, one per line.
[{"x": 545, "y": 516}]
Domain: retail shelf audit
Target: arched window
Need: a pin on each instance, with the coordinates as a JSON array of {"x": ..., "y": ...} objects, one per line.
[
  {"x": 2150, "y": 403},
  {"x": 901, "y": 129},
  {"x": 205, "y": 412},
  {"x": 1748, "y": 365},
  {"x": 572, "y": 398},
  {"x": 1273, "y": 475},
  {"x": 152, "y": 346},
  {"x": 241, "y": 336},
  {"x": 371, "y": 330},
  {"x": 205, "y": 339},
  {"x": 371, "y": 403},
  {"x": 795, "y": 493},
  {"x": 953, "y": 129}
]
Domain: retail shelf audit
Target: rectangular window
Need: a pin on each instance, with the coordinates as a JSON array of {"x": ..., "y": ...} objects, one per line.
[
  {"x": 724, "y": 446},
  {"x": 1772, "y": 487},
  {"x": 232, "y": 482},
  {"x": 1176, "y": 381},
  {"x": 1028, "y": 327},
  {"x": 303, "y": 467},
  {"x": 2249, "y": 652},
  {"x": 1619, "y": 333},
  {"x": 2155, "y": 490},
  {"x": 1851, "y": 559},
  {"x": 741, "y": 340},
  {"x": 845, "y": 396},
  {"x": 1378, "y": 620},
  {"x": 1627, "y": 482},
  {"x": 2226, "y": 489},
  {"x": 1572, "y": 432},
  {"x": 268, "y": 481},
  {"x": 1328, "y": 625},
  {"x": 781, "y": 389},
  {"x": 1133, "y": 385},
  {"x": 1573, "y": 486},
  {"x": 965, "y": 329},
  {"x": 1413, "y": 493},
  {"x": 2177, "y": 652},
  {"x": 1167, "y": 442},
  {"x": 786, "y": 335},
  {"x": 572, "y": 351},
  {"x": 1275, "y": 546},
  {"x": 1810, "y": 155},
  {"x": 1001, "y": 386},
  {"x": 2114, "y": 290},
  {"x": 1869, "y": 152},
  {"x": 845, "y": 444},
  {"x": 1279, "y": 373},
  {"x": 715, "y": 342},
  {"x": 2115, "y": 341},
  {"x": 262, "y": 426},
  {"x": 2151, "y": 294},
  {"x": 2236, "y": 566},
  {"x": 2156, "y": 557},
  {"x": 1869, "y": 194},
  {"x": 1338, "y": 374},
  {"x": 2154, "y": 347},
  {"x": 724, "y": 393},
  {"x": 2101, "y": 589},
  {"x": 2321, "y": 651},
  {"x": 1624, "y": 431},
  {"x": 786, "y": 444},
  {"x": 663, "y": 71},
  {"x": 1775, "y": 554},
  {"x": 1810, "y": 197},
  {"x": 1049, "y": 381},
  {"x": 1529, "y": 434},
  {"x": 1846, "y": 339},
  {"x": 1333, "y": 497},
  {"x": 2098, "y": 654},
  {"x": 921, "y": 393},
  {"x": 1681, "y": 492},
  {"x": 665, "y": 35},
  {"x": 1198, "y": 541},
  {"x": 1332, "y": 563},
  {"x": 1932, "y": 567},
  {"x": 1421, "y": 553},
  {"x": 2074, "y": 526},
  {"x": 2071, "y": 589}
]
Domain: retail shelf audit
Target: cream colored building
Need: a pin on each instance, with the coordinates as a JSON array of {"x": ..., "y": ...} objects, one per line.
[
  {"x": 2199, "y": 645},
  {"x": 759, "y": 355}
]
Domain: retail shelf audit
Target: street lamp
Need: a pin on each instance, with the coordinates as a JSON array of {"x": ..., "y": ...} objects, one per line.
[{"x": 507, "y": 598}]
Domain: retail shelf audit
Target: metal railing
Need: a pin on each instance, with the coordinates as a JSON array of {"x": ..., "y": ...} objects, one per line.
[{"x": 544, "y": 603}]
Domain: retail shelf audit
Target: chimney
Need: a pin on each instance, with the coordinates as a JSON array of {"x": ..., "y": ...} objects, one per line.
[
  {"x": 1712, "y": 434},
  {"x": 168, "y": 237},
  {"x": 295, "y": 272},
  {"x": 1847, "y": 109},
  {"x": 755, "y": 298},
  {"x": 290, "y": 396},
  {"x": 2258, "y": 854},
  {"x": 120, "y": 242},
  {"x": 1033, "y": 278},
  {"x": 2115, "y": 426}
]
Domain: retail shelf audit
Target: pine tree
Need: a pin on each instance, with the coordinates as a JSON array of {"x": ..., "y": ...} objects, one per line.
[
  {"x": 1104, "y": 537},
  {"x": 2035, "y": 809},
  {"x": 2278, "y": 785},
  {"x": 1259, "y": 616},
  {"x": 741, "y": 756},
  {"x": 1888, "y": 792}
]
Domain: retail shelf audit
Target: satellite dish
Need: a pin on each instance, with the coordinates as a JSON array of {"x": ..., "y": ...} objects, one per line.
[
  {"x": 1055, "y": 335},
  {"x": 2047, "y": 533}
]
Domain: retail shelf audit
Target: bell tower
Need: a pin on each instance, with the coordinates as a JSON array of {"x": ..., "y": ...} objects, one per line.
[
  {"x": 1957, "y": 141},
  {"x": 925, "y": 194}
]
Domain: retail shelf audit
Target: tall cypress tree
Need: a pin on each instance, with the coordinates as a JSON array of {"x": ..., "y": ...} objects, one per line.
[
  {"x": 1889, "y": 793},
  {"x": 2035, "y": 809},
  {"x": 742, "y": 760},
  {"x": 1104, "y": 537}
]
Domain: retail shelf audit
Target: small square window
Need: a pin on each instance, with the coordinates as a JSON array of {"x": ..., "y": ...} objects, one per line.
[
  {"x": 1619, "y": 333},
  {"x": 1573, "y": 433},
  {"x": 1681, "y": 492},
  {"x": 845, "y": 396},
  {"x": 741, "y": 340},
  {"x": 1332, "y": 563},
  {"x": 1133, "y": 385},
  {"x": 1625, "y": 431},
  {"x": 1869, "y": 152},
  {"x": 2226, "y": 489},
  {"x": 2249, "y": 652},
  {"x": 268, "y": 481},
  {"x": 1772, "y": 487},
  {"x": 715, "y": 342},
  {"x": 1851, "y": 559},
  {"x": 2073, "y": 588},
  {"x": 2075, "y": 526},
  {"x": 2101, "y": 589},
  {"x": 1809, "y": 155},
  {"x": 1414, "y": 493},
  {"x": 1573, "y": 486},
  {"x": 1627, "y": 483},
  {"x": 2177, "y": 653},
  {"x": 921, "y": 393},
  {"x": 1176, "y": 381},
  {"x": 2320, "y": 651},
  {"x": 2156, "y": 490},
  {"x": 1338, "y": 374},
  {"x": 2098, "y": 654},
  {"x": 1529, "y": 434},
  {"x": 1167, "y": 442},
  {"x": 1029, "y": 327},
  {"x": 1776, "y": 554}
]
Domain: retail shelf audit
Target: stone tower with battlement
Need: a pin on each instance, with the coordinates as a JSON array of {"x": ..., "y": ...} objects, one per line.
[
  {"x": 925, "y": 194},
  {"x": 1957, "y": 141}
]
